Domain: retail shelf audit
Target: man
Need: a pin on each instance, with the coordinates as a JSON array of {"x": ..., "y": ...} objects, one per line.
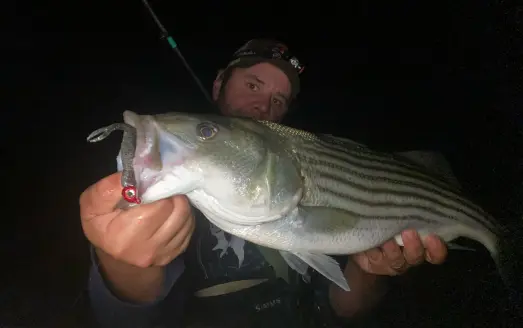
[{"x": 140, "y": 254}]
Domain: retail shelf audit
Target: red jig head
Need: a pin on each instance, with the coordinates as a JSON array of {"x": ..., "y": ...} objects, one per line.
[{"x": 130, "y": 195}]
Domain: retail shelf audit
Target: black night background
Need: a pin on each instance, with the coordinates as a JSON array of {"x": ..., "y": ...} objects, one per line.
[{"x": 399, "y": 75}]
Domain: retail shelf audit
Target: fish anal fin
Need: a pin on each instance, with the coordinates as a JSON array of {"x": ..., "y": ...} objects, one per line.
[{"x": 324, "y": 264}]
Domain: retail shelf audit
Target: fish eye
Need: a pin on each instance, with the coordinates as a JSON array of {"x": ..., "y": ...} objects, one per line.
[{"x": 206, "y": 130}]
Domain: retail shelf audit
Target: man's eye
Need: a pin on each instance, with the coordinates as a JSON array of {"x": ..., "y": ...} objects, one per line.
[
  {"x": 252, "y": 86},
  {"x": 277, "y": 102}
]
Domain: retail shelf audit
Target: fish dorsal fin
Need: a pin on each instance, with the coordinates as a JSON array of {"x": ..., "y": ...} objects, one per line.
[
  {"x": 434, "y": 162},
  {"x": 348, "y": 143}
]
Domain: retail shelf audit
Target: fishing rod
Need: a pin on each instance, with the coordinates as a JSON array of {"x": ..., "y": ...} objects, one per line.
[{"x": 174, "y": 46}]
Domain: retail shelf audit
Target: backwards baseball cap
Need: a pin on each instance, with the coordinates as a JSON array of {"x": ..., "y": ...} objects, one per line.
[{"x": 258, "y": 51}]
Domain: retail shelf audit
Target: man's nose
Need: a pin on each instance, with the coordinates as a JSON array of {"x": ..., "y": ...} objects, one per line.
[
  {"x": 263, "y": 105},
  {"x": 261, "y": 108}
]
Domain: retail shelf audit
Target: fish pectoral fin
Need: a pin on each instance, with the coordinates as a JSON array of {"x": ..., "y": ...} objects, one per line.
[
  {"x": 295, "y": 262},
  {"x": 276, "y": 260},
  {"x": 269, "y": 178},
  {"x": 326, "y": 220},
  {"x": 262, "y": 189},
  {"x": 325, "y": 265}
]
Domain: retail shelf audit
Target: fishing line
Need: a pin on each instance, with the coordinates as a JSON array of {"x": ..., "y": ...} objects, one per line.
[{"x": 176, "y": 49}]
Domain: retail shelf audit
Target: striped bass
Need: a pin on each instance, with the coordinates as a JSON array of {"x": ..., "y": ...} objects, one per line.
[{"x": 306, "y": 195}]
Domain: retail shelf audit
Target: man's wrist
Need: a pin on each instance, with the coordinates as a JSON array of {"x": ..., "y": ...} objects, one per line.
[
  {"x": 128, "y": 282},
  {"x": 322, "y": 304},
  {"x": 366, "y": 291}
]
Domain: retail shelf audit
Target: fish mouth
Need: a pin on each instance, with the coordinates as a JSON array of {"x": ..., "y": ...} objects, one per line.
[
  {"x": 142, "y": 152},
  {"x": 157, "y": 154},
  {"x": 147, "y": 161}
]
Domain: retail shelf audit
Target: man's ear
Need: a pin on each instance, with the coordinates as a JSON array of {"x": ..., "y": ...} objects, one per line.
[{"x": 217, "y": 85}]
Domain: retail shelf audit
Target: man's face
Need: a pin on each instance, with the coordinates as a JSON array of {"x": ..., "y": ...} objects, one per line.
[{"x": 261, "y": 92}]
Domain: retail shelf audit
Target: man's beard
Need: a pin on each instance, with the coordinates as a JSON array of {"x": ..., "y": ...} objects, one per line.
[
  {"x": 226, "y": 109},
  {"x": 222, "y": 104}
]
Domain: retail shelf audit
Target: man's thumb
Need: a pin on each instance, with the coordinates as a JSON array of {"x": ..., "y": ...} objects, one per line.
[{"x": 101, "y": 197}]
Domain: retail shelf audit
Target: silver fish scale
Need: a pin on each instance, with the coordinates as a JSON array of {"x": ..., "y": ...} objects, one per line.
[
  {"x": 288, "y": 132},
  {"x": 241, "y": 164},
  {"x": 347, "y": 175}
]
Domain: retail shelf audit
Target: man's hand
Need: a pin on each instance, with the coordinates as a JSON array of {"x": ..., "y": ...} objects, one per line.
[
  {"x": 362, "y": 271},
  {"x": 134, "y": 245},
  {"x": 390, "y": 259},
  {"x": 146, "y": 235}
]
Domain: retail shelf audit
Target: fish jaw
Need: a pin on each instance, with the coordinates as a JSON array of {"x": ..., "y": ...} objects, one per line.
[
  {"x": 170, "y": 158},
  {"x": 159, "y": 161},
  {"x": 243, "y": 174}
]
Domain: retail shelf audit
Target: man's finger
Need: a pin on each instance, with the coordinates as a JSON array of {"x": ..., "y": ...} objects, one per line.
[
  {"x": 178, "y": 245},
  {"x": 176, "y": 241},
  {"x": 145, "y": 219},
  {"x": 374, "y": 255},
  {"x": 412, "y": 247},
  {"x": 176, "y": 220},
  {"x": 436, "y": 249},
  {"x": 101, "y": 197},
  {"x": 394, "y": 255}
]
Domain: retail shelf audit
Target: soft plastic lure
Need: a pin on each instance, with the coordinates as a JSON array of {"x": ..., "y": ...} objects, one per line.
[{"x": 128, "y": 147}]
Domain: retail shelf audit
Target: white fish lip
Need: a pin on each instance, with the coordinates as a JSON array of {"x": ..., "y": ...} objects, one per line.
[
  {"x": 145, "y": 142},
  {"x": 150, "y": 165}
]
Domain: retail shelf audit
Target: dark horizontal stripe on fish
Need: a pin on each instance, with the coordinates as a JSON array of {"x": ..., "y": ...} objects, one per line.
[
  {"x": 414, "y": 203},
  {"x": 340, "y": 162},
  {"x": 330, "y": 160},
  {"x": 389, "y": 205},
  {"x": 338, "y": 173},
  {"x": 404, "y": 171},
  {"x": 337, "y": 164},
  {"x": 363, "y": 158},
  {"x": 377, "y": 158},
  {"x": 377, "y": 166}
]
